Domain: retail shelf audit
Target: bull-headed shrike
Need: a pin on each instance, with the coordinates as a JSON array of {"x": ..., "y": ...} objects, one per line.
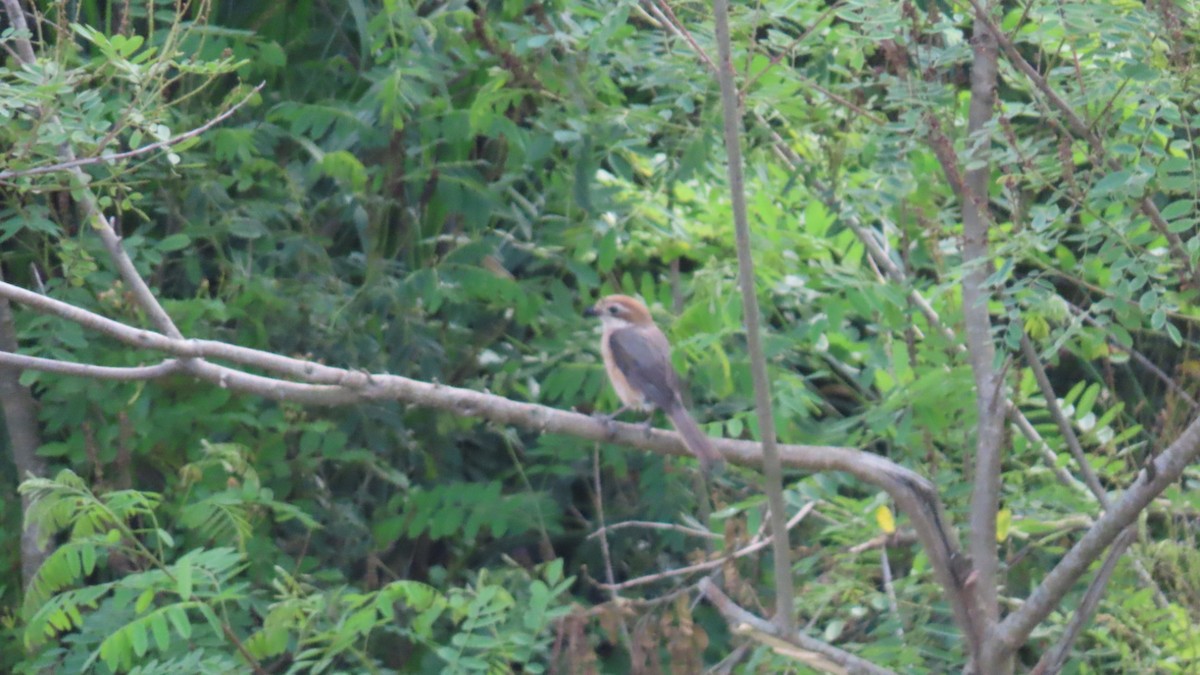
[{"x": 637, "y": 358}]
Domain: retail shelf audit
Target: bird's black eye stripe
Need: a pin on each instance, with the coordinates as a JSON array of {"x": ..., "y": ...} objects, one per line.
[{"x": 613, "y": 310}]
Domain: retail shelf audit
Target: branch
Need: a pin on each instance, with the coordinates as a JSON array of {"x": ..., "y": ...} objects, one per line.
[
  {"x": 1151, "y": 481},
  {"x": 1049, "y": 457},
  {"x": 663, "y": 13},
  {"x": 1064, "y": 424},
  {"x": 24, "y": 438},
  {"x": 989, "y": 399},
  {"x": 324, "y": 385},
  {"x": 92, "y": 372},
  {"x": 814, "y": 653},
  {"x": 650, "y": 525},
  {"x": 895, "y": 539},
  {"x": 17, "y": 17},
  {"x": 813, "y": 25},
  {"x": 757, "y": 545},
  {"x": 1053, "y": 660},
  {"x": 174, "y": 140},
  {"x": 772, "y": 471},
  {"x": 606, "y": 556}
]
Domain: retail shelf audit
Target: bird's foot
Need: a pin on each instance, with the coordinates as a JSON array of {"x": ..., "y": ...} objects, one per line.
[
  {"x": 647, "y": 427},
  {"x": 609, "y": 422}
]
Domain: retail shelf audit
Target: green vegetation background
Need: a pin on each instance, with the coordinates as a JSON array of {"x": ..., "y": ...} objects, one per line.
[{"x": 437, "y": 189}]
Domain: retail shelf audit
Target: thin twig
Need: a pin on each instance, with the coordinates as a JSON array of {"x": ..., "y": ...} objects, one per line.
[
  {"x": 649, "y": 525},
  {"x": 898, "y": 538},
  {"x": 890, "y": 590},
  {"x": 778, "y": 58},
  {"x": 662, "y": 11},
  {"x": 1049, "y": 457},
  {"x": 1034, "y": 360},
  {"x": 174, "y": 140},
  {"x": 120, "y": 374},
  {"x": 605, "y": 554},
  {"x": 754, "y": 546},
  {"x": 1137, "y": 356},
  {"x": 812, "y": 652}
]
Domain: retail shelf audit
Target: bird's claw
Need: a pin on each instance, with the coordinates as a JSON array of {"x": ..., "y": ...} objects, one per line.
[
  {"x": 608, "y": 421},
  {"x": 647, "y": 427}
]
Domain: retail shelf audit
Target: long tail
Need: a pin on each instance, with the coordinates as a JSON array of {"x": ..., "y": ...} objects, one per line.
[{"x": 700, "y": 444}]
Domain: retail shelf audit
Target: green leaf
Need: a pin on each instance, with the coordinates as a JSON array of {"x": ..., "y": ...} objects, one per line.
[
  {"x": 174, "y": 242},
  {"x": 1111, "y": 183},
  {"x": 1178, "y": 208},
  {"x": 183, "y": 578}
]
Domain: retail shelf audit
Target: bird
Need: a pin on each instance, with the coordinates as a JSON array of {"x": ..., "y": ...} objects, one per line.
[{"x": 637, "y": 358}]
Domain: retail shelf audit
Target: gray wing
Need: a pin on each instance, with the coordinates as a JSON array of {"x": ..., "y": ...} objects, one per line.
[{"x": 644, "y": 358}]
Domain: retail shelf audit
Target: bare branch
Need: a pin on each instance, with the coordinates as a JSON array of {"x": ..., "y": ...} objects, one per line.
[
  {"x": 325, "y": 385},
  {"x": 306, "y": 371},
  {"x": 663, "y": 13},
  {"x": 606, "y": 555},
  {"x": 93, "y": 372},
  {"x": 812, "y": 652},
  {"x": 772, "y": 470},
  {"x": 813, "y": 25},
  {"x": 17, "y": 17},
  {"x": 898, "y": 538},
  {"x": 1049, "y": 457},
  {"x": 1151, "y": 481},
  {"x": 97, "y": 159},
  {"x": 989, "y": 399},
  {"x": 1138, "y": 357},
  {"x": 1053, "y": 660},
  {"x": 24, "y": 438},
  {"x": 1064, "y": 425},
  {"x": 650, "y": 525},
  {"x": 886, "y": 567},
  {"x": 757, "y": 545}
]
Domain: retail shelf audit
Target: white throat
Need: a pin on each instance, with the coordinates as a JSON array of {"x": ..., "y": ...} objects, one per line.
[{"x": 611, "y": 322}]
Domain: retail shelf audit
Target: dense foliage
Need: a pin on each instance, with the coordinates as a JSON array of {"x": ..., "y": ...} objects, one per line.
[{"x": 437, "y": 189}]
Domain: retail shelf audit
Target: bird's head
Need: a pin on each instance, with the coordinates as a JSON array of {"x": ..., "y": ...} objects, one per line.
[{"x": 620, "y": 310}]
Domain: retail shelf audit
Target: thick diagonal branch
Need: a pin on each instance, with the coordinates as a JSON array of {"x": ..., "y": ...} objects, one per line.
[
  {"x": 1052, "y": 661},
  {"x": 1159, "y": 474},
  {"x": 323, "y": 385}
]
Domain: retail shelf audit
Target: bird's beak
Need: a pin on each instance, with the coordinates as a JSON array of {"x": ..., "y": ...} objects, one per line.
[{"x": 591, "y": 311}]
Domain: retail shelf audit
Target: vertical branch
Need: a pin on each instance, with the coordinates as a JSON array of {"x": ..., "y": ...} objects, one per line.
[
  {"x": 772, "y": 470},
  {"x": 20, "y": 419},
  {"x": 989, "y": 404},
  {"x": 17, "y": 18},
  {"x": 606, "y": 555},
  {"x": 20, "y": 410}
]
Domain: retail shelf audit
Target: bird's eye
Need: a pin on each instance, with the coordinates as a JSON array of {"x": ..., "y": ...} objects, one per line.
[{"x": 614, "y": 310}]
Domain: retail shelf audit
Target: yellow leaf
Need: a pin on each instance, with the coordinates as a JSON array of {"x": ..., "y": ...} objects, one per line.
[
  {"x": 1003, "y": 523},
  {"x": 1037, "y": 327},
  {"x": 883, "y": 516}
]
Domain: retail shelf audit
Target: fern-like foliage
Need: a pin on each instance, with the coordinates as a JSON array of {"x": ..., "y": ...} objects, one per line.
[
  {"x": 163, "y": 605},
  {"x": 502, "y": 622},
  {"x": 228, "y": 515}
]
